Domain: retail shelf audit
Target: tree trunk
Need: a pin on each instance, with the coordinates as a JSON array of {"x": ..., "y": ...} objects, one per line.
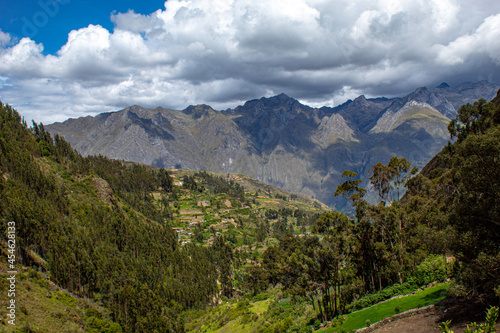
[{"x": 320, "y": 308}]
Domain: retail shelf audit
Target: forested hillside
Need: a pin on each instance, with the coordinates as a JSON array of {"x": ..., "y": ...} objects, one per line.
[
  {"x": 186, "y": 250},
  {"x": 458, "y": 194},
  {"x": 102, "y": 229},
  {"x": 109, "y": 242},
  {"x": 446, "y": 226}
]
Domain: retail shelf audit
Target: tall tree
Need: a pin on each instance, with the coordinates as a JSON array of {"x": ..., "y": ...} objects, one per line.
[
  {"x": 400, "y": 166},
  {"x": 381, "y": 176}
]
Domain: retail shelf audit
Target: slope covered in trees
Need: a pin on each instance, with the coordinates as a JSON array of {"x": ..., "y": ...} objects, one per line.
[
  {"x": 103, "y": 229},
  {"x": 97, "y": 231},
  {"x": 459, "y": 194},
  {"x": 446, "y": 225}
]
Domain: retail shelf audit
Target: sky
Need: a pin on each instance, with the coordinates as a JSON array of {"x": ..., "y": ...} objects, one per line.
[{"x": 64, "y": 59}]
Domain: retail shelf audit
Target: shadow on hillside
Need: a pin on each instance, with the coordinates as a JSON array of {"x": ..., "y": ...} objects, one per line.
[{"x": 462, "y": 311}]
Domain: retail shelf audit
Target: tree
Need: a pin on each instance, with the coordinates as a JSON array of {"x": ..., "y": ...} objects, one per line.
[
  {"x": 350, "y": 189},
  {"x": 474, "y": 119},
  {"x": 332, "y": 268},
  {"x": 381, "y": 176},
  {"x": 255, "y": 279},
  {"x": 476, "y": 210},
  {"x": 399, "y": 166}
]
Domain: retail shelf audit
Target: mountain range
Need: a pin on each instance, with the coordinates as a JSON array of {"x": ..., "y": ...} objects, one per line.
[{"x": 278, "y": 140}]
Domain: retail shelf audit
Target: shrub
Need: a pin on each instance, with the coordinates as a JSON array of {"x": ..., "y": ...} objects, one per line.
[
  {"x": 91, "y": 312},
  {"x": 243, "y": 303},
  {"x": 433, "y": 268},
  {"x": 33, "y": 274},
  {"x": 370, "y": 299}
]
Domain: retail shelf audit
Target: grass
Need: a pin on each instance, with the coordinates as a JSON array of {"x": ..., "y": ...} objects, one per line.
[
  {"x": 45, "y": 307},
  {"x": 386, "y": 309},
  {"x": 260, "y": 306}
]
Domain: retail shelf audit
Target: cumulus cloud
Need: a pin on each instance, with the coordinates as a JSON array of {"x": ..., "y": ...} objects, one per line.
[
  {"x": 227, "y": 51},
  {"x": 4, "y": 38},
  {"x": 483, "y": 40}
]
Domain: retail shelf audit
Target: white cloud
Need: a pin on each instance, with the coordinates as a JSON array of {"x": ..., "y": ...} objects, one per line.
[
  {"x": 485, "y": 39},
  {"x": 227, "y": 51},
  {"x": 4, "y": 38}
]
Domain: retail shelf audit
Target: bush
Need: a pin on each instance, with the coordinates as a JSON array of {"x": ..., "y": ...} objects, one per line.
[
  {"x": 433, "y": 268},
  {"x": 91, "y": 312},
  {"x": 338, "y": 321},
  {"x": 317, "y": 324},
  {"x": 243, "y": 303},
  {"x": 33, "y": 274},
  {"x": 370, "y": 299}
]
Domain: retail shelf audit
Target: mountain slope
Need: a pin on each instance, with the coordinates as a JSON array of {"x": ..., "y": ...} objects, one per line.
[
  {"x": 103, "y": 229},
  {"x": 278, "y": 140}
]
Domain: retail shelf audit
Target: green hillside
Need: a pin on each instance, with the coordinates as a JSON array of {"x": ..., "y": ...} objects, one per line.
[
  {"x": 45, "y": 307},
  {"x": 122, "y": 247},
  {"x": 446, "y": 226},
  {"x": 102, "y": 229}
]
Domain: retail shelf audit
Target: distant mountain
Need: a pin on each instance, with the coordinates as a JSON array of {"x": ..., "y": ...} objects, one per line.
[{"x": 278, "y": 140}]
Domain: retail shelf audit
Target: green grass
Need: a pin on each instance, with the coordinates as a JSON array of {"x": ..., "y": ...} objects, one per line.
[
  {"x": 261, "y": 306},
  {"x": 378, "y": 312},
  {"x": 45, "y": 307}
]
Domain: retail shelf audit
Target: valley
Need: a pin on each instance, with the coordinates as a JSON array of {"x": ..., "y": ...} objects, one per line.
[
  {"x": 278, "y": 140},
  {"x": 238, "y": 166},
  {"x": 138, "y": 248}
]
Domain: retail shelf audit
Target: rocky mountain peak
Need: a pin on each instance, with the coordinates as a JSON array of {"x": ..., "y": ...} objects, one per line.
[
  {"x": 282, "y": 97},
  {"x": 197, "y": 111},
  {"x": 280, "y": 102},
  {"x": 421, "y": 94},
  {"x": 360, "y": 101},
  {"x": 443, "y": 85},
  {"x": 332, "y": 129},
  {"x": 396, "y": 117},
  {"x": 277, "y": 139}
]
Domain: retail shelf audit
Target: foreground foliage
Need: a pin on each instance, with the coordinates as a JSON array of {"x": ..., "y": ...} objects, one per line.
[
  {"x": 487, "y": 327},
  {"x": 357, "y": 320}
]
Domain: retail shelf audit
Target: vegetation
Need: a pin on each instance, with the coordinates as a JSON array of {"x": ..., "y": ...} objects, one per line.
[
  {"x": 170, "y": 251},
  {"x": 108, "y": 242},
  {"x": 101, "y": 228},
  {"x": 487, "y": 327},
  {"x": 44, "y": 307},
  {"x": 357, "y": 320}
]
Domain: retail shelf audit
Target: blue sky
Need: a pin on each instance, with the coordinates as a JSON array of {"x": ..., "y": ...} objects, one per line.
[
  {"x": 49, "y": 22},
  {"x": 72, "y": 58}
]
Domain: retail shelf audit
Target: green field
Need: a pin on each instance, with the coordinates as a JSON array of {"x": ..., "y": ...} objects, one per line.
[{"x": 386, "y": 309}]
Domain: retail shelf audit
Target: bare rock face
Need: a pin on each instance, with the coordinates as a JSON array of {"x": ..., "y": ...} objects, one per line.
[
  {"x": 411, "y": 110},
  {"x": 278, "y": 140},
  {"x": 333, "y": 128},
  {"x": 103, "y": 190}
]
